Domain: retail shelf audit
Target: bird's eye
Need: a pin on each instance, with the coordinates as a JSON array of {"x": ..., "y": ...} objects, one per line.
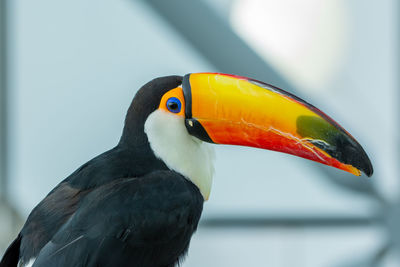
[{"x": 174, "y": 105}]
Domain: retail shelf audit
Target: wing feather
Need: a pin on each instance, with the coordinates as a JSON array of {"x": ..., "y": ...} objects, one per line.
[{"x": 130, "y": 222}]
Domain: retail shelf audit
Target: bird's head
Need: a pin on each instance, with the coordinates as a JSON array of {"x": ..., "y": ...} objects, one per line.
[{"x": 179, "y": 114}]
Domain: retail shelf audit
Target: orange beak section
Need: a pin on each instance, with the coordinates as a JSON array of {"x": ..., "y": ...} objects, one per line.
[{"x": 227, "y": 109}]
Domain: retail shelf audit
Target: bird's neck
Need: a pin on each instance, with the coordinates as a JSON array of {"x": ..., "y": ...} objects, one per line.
[
  {"x": 161, "y": 140},
  {"x": 181, "y": 152},
  {"x": 120, "y": 162}
]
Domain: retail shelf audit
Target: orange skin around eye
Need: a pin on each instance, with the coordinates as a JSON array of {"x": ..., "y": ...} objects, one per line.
[{"x": 178, "y": 93}]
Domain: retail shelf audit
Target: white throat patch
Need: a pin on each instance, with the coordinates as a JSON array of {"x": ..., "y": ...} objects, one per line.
[{"x": 181, "y": 152}]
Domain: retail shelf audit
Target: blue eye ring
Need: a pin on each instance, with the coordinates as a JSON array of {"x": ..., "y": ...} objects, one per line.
[{"x": 174, "y": 105}]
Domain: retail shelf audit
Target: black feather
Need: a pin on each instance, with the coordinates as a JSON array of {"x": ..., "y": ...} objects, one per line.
[
  {"x": 11, "y": 255},
  {"x": 144, "y": 221}
]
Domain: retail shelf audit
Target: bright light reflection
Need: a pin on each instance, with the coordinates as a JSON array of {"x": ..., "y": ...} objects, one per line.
[{"x": 304, "y": 39}]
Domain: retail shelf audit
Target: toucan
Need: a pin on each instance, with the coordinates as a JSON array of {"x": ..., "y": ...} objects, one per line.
[{"x": 139, "y": 203}]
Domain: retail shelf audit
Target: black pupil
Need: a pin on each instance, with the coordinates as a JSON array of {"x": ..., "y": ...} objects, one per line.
[{"x": 173, "y": 105}]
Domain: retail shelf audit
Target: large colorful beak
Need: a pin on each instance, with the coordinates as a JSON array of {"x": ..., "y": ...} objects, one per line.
[{"x": 226, "y": 109}]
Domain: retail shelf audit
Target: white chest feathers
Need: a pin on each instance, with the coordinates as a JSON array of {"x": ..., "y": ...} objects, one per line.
[
  {"x": 28, "y": 264},
  {"x": 180, "y": 151}
]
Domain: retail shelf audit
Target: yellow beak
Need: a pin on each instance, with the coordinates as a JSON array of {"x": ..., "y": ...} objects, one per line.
[{"x": 227, "y": 109}]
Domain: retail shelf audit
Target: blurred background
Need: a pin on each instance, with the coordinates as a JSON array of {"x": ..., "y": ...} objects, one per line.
[{"x": 69, "y": 69}]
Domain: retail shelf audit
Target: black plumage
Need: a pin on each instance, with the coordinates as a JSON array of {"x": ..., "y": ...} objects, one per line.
[
  {"x": 122, "y": 208},
  {"x": 145, "y": 221}
]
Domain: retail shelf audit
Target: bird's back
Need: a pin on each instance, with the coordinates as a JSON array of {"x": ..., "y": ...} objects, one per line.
[
  {"x": 60, "y": 206},
  {"x": 130, "y": 222}
]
